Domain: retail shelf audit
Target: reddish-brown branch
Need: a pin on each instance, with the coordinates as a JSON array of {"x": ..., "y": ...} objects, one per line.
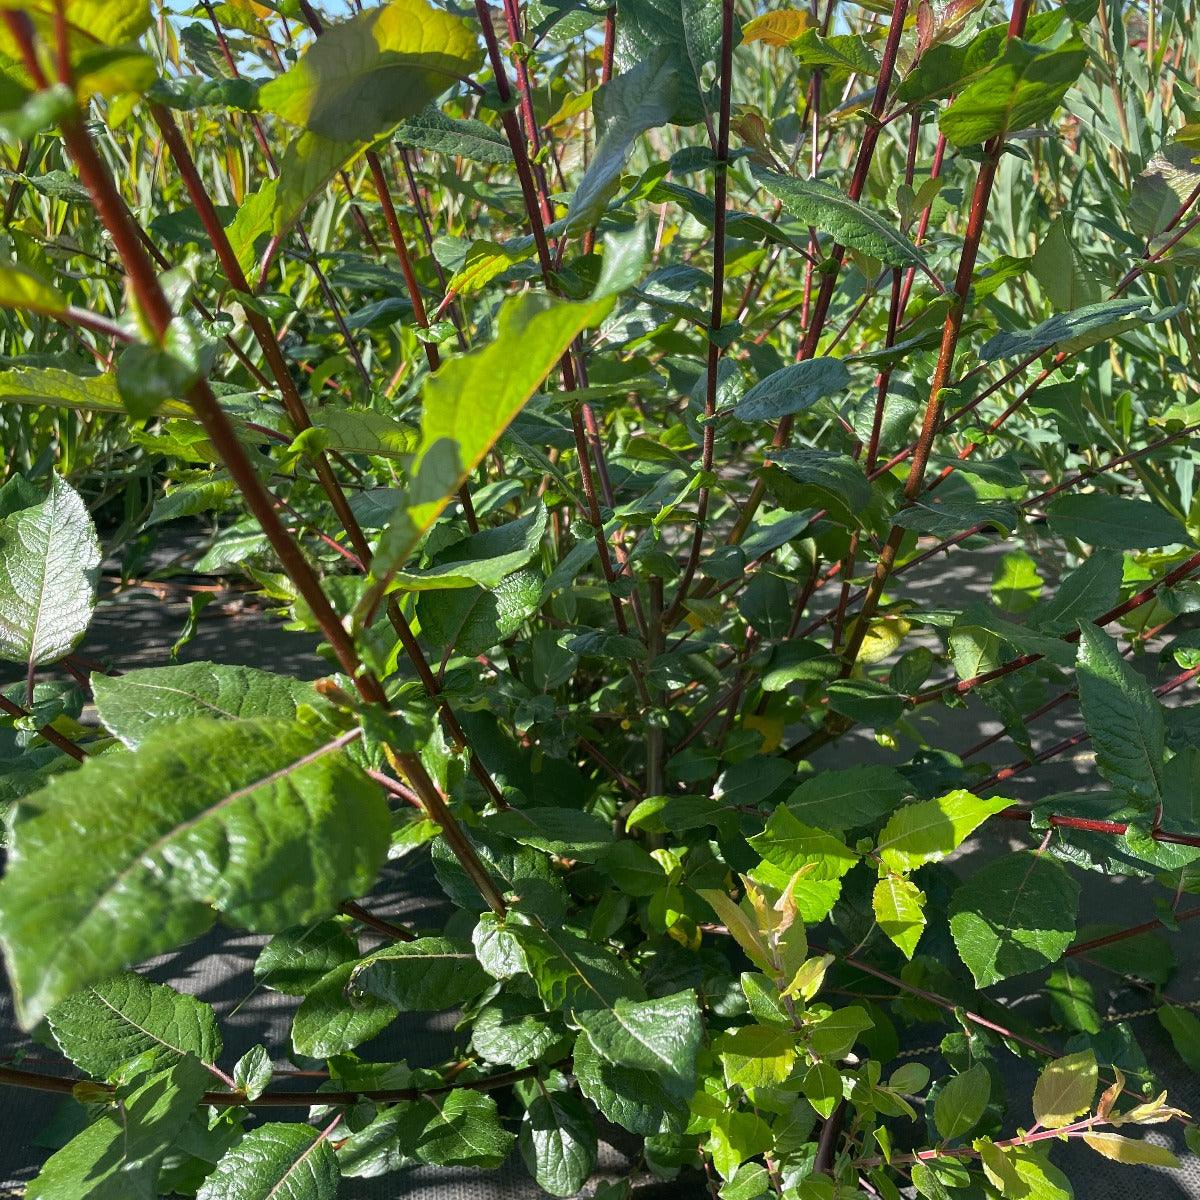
[
  {"x": 157, "y": 312},
  {"x": 1163, "y": 689},
  {"x": 46, "y": 731},
  {"x": 960, "y": 688},
  {"x": 816, "y": 323},
  {"x": 708, "y": 438},
  {"x": 396, "y": 932},
  {"x": 1087, "y": 825},
  {"x": 1133, "y": 931},
  {"x": 298, "y": 415},
  {"x": 65, "y": 1085}
]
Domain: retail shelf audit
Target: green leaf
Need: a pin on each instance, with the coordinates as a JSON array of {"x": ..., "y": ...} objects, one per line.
[
  {"x": 118, "y": 1156},
  {"x": 1115, "y": 522},
  {"x": 428, "y": 974},
  {"x": 822, "y": 1087},
  {"x": 661, "y": 1036},
  {"x": 565, "y": 832},
  {"x": 847, "y": 51},
  {"x": 48, "y": 559},
  {"x": 134, "y": 705},
  {"x": 1072, "y": 331},
  {"x": 757, "y": 1055},
  {"x": 1022, "y": 89},
  {"x": 515, "y": 1029},
  {"x": 636, "y": 1100},
  {"x": 21, "y": 289},
  {"x": 800, "y": 478},
  {"x": 865, "y": 701},
  {"x": 1065, "y": 1089},
  {"x": 834, "y": 1035},
  {"x": 1072, "y": 1000},
  {"x": 791, "y": 390},
  {"x": 734, "y": 1137},
  {"x": 433, "y": 130},
  {"x": 1090, "y": 589},
  {"x": 308, "y": 164},
  {"x": 252, "y": 1072},
  {"x": 331, "y": 1021},
  {"x": 103, "y": 1027},
  {"x": 363, "y": 75},
  {"x": 641, "y": 98},
  {"x": 900, "y": 910},
  {"x": 473, "y": 620},
  {"x": 1184, "y": 1028},
  {"x": 191, "y": 498},
  {"x": 262, "y": 821},
  {"x": 790, "y": 844},
  {"x": 363, "y": 431},
  {"x": 944, "y": 518},
  {"x": 296, "y": 960},
  {"x": 288, "y": 1161},
  {"x": 558, "y": 1140},
  {"x": 1123, "y": 717},
  {"x": 1015, "y": 915},
  {"x": 460, "y": 1128},
  {"x": 849, "y": 798},
  {"x": 961, "y": 1102},
  {"x": 148, "y": 375},
  {"x": 687, "y": 31},
  {"x": 56, "y": 388},
  {"x": 468, "y": 405},
  {"x": 483, "y": 559},
  {"x": 927, "y": 832},
  {"x": 572, "y": 972},
  {"x": 1060, "y": 271},
  {"x": 851, "y": 224},
  {"x": 1131, "y": 1150}
]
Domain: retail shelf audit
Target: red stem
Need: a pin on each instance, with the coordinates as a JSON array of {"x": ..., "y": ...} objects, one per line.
[{"x": 157, "y": 312}]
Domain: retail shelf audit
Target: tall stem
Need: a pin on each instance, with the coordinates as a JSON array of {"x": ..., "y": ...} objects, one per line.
[
  {"x": 298, "y": 415},
  {"x": 716, "y": 312},
  {"x": 156, "y": 310},
  {"x": 951, "y": 329}
]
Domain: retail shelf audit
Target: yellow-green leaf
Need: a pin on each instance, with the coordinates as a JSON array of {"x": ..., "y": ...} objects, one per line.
[
  {"x": 900, "y": 910},
  {"x": 927, "y": 832},
  {"x": 1130, "y": 1150},
  {"x": 370, "y": 72},
  {"x": 1065, "y": 1089},
  {"x": 776, "y": 28},
  {"x": 468, "y": 404}
]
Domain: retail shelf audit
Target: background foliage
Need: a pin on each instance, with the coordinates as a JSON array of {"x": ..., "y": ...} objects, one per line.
[{"x": 591, "y": 379}]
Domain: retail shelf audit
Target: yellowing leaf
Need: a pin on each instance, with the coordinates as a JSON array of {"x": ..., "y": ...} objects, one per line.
[
  {"x": 808, "y": 979},
  {"x": 883, "y": 636},
  {"x": 741, "y": 928},
  {"x": 777, "y": 28},
  {"x": 485, "y": 260},
  {"x": 757, "y": 1055},
  {"x": 1065, "y": 1089},
  {"x": 1130, "y": 1150},
  {"x": 770, "y": 729},
  {"x": 572, "y": 106},
  {"x": 21, "y": 288}
]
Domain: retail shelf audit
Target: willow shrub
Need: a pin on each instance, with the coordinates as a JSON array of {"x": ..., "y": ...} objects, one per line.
[{"x": 587, "y": 378}]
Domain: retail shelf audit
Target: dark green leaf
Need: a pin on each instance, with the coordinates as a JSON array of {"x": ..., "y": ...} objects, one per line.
[
  {"x": 1013, "y": 916},
  {"x": 264, "y": 821}
]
